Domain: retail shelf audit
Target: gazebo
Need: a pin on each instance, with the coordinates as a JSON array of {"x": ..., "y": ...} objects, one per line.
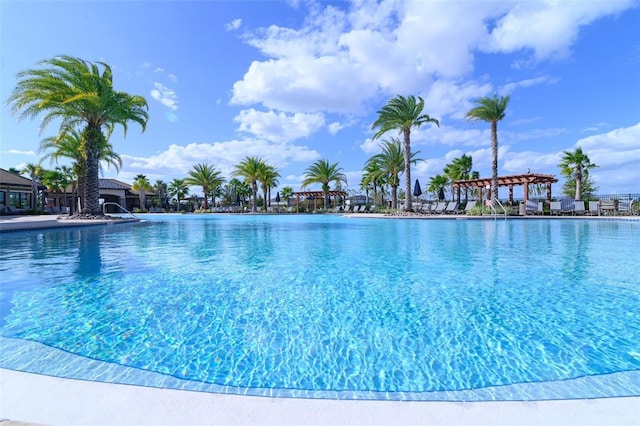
[
  {"x": 510, "y": 181},
  {"x": 318, "y": 194}
]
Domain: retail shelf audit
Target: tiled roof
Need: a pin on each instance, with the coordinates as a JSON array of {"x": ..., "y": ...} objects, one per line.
[
  {"x": 113, "y": 184},
  {"x": 11, "y": 179}
]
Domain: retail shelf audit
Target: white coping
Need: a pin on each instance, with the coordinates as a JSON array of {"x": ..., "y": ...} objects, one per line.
[{"x": 48, "y": 400}]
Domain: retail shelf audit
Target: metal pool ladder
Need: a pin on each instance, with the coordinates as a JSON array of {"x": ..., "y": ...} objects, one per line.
[
  {"x": 116, "y": 204},
  {"x": 495, "y": 212}
]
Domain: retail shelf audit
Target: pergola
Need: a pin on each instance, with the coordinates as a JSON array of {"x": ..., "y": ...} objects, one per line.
[
  {"x": 510, "y": 181},
  {"x": 318, "y": 194}
]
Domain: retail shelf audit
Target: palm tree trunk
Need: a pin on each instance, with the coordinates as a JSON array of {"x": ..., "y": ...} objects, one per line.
[
  {"x": 254, "y": 189},
  {"x": 394, "y": 197},
  {"x": 578, "y": 183},
  {"x": 92, "y": 184},
  {"x": 407, "y": 169},
  {"x": 494, "y": 162}
]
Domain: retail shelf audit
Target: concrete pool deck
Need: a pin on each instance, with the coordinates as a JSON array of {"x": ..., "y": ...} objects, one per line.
[
  {"x": 48, "y": 400},
  {"x": 39, "y": 399}
]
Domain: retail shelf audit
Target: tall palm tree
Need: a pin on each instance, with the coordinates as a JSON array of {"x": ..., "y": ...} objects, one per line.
[
  {"x": 250, "y": 169},
  {"x": 206, "y": 176},
  {"x": 142, "y": 185},
  {"x": 402, "y": 114},
  {"x": 69, "y": 145},
  {"x": 35, "y": 172},
  {"x": 268, "y": 179},
  {"x": 76, "y": 92},
  {"x": 391, "y": 161},
  {"x": 324, "y": 173},
  {"x": 373, "y": 177},
  {"x": 491, "y": 110},
  {"x": 576, "y": 165},
  {"x": 179, "y": 190}
]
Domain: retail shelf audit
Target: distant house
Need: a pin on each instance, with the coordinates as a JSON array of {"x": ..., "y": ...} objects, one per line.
[
  {"x": 115, "y": 191},
  {"x": 357, "y": 200},
  {"x": 15, "y": 190}
]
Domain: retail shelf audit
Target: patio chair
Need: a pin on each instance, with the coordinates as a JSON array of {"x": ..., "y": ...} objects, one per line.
[
  {"x": 534, "y": 207},
  {"x": 372, "y": 209},
  {"x": 607, "y": 207},
  {"x": 566, "y": 206},
  {"x": 624, "y": 207},
  {"x": 578, "y": 208},
  {"x": 470, "y": 205},
  {"x": 452, "y": 208},
  {"x": 439, "y": 209},
  {"x": 594, "y": 208},
  {"x": 555, "y": 208}
]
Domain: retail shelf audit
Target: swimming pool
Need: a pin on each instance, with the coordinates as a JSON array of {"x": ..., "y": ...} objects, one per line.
[{"x": 326, "y": 306}]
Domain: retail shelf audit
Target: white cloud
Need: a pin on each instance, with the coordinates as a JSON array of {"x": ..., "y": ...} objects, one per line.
[
  {"x": 233, "y": 25},
  {"x": 172, "y": 77},
  {"x": 177, "y": 160},
  {"x": 280, "y": 126},
  {"x": 18, "y": 152},
  {"x": 510, "y": 87},
  {"x": 165, "y": 96},
  {"x": 547, "y": 27},
  {"x": 340, "y": 61}
]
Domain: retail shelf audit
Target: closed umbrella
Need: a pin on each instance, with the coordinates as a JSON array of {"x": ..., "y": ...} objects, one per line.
[
  {"x": 441, "y": 194},
  {"x": 278, "y": 197},
  {"x": 417, "y": 191}
]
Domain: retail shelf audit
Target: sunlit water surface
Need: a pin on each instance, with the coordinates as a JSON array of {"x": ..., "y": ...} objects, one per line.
[{"x": 324, "y": 305}]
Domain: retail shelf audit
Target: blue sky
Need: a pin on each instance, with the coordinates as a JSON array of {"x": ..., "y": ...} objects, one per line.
[{"x": 296, "y": 81}]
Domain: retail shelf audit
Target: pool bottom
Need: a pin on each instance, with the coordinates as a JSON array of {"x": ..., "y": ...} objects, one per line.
[{"x": 36, "y": 358}]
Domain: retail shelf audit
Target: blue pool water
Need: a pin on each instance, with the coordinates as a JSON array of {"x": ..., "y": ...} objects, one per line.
[{"x": 319, "y": 305}]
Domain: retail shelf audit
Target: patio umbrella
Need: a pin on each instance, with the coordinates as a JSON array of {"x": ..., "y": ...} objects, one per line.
[
  {"x": 278, "y": 197},
  {"x": 441, "y": 194},
  {"x": 238, "y": 199},
  {"x": 417, "y": 191}
]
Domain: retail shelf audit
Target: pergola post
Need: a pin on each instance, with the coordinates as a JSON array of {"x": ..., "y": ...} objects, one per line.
[{"x": 511, "y": 194}]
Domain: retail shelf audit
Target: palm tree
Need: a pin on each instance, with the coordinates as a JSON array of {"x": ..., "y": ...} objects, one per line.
[
  {"x": 35, "y": 172},
  {"x": 324, "y": 173},
  {"x": 250, "y": 169},
  {"x": 142, "y": 185},
  {"x": 437, "y": 182},
  {"x": 287, "y": 194},
  {"x": 69, "y": 145},
  {"x": 206, "y": 176},
  {"x": 491, "y": 110},
  {"x": 77, "y": 93},
  {"x": 391, "y": 161},
  {"x": 575, "y": 166},
  {"x": 268, "y": 179},
  {"x": 460, "y": 169},
  {"x": 160, "y": 189},
  {"x": 372, "y": 177},
  {"x": 179, "y": 190},
  {"x": 402, "y": 114}
]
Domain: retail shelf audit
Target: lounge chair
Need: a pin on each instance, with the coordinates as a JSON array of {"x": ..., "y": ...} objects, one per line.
[
  {"x": 534, "y": 207},
  {"x": 594, "y": 208},
  {"x": 578, "y": 208},
  {"x": 452, "y": 208},
  {"x": 607, "y": 207},
  {"x": 555, "y": 208},
  {"x": 624, "y": 207},
  {"x": 470, "y": 205},
  {"x": 372, "y": 209},
  {"x": 440, "y": 207},
  {"x": 567, "y": 206}
]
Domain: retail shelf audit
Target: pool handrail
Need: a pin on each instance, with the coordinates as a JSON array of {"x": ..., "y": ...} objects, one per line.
[{"x": 116, "y": 204}]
